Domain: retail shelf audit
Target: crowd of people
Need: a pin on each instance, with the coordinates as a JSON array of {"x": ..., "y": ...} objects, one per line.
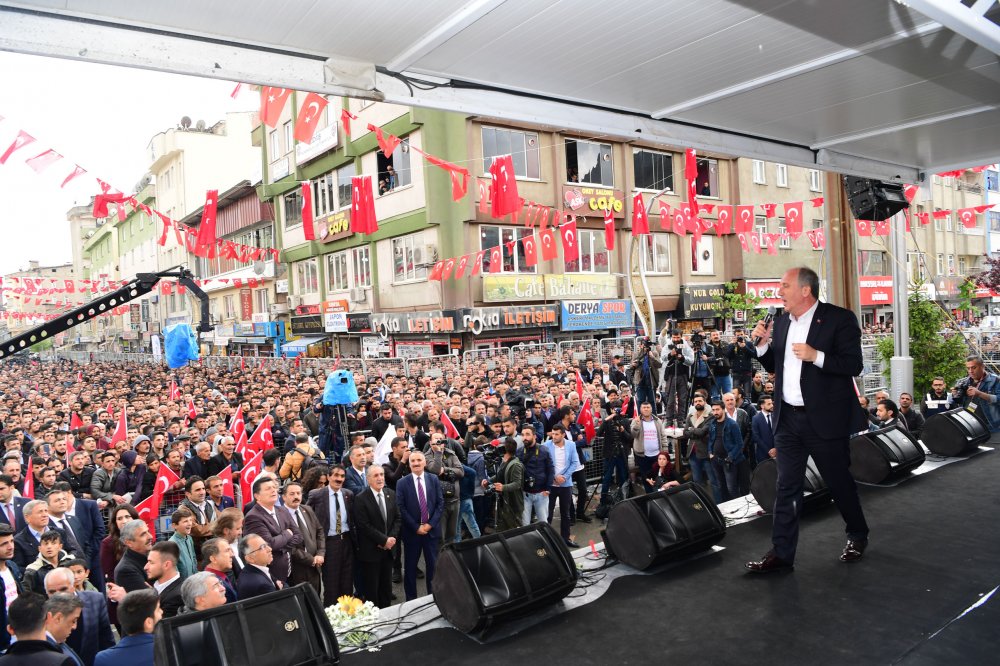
[{"x": 348, "y": 508}]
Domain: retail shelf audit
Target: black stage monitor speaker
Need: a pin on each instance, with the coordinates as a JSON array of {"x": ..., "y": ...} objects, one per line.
[
  {"x": 481, "y": 582},
  {"x": 889, "y": 452},
  {"x": 764, "y": 486},
  {"x": 954, "y": 433},
  {"x": 647, "y": 530},
  {"x": 873, "y": 199},
  {"x": 283, "y": 628}
]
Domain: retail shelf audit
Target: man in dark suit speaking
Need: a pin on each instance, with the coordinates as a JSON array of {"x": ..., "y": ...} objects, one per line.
[
  {"x": 377, "y": 519},
  {"x": 421, "y": 504},
  {"x": 815, "y": 351}
]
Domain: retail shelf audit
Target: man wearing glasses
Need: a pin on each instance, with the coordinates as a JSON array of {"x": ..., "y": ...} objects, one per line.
[{"x": 255, "y": 579}]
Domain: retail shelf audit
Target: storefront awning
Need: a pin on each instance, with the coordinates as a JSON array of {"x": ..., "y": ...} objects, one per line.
[{"x": 302, "y": 344}]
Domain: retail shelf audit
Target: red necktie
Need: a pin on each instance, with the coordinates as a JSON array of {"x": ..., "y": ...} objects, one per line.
[{"x": 10, "y": 516}]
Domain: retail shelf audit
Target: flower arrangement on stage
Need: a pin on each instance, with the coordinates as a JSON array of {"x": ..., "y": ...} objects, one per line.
[{"x": 348, "y": 617}]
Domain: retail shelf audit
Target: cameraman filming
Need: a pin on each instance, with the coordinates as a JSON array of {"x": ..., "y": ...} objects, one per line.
[
  {"x": 982, "y": 389},
  {"x": 741, "y": 364},
  {"x": 677, "y": 359},
  {"x": 701, "y": 370},
  {"x": 720, "y": 365},
  {"x": 614, "y": 432},
  {"x": 509, "y": 482},
  {"x": 645, "y": 366},
  {"x": 447, "y": 467}
]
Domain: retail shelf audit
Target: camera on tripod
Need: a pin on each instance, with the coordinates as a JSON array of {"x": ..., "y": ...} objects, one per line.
[{"x": 697, "y": 340}]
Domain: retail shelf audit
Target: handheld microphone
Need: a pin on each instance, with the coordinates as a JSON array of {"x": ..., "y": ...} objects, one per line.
[{"x": 768, "y": 318}]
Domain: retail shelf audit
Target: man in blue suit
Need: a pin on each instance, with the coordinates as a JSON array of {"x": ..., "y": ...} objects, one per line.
[
  {"x": 138, "y": 614},
  {"x": 762, "y": 430},
  {"x": 421, "y": 504},
  {"x": 255, "y": 579},
  {"x": 357, "y": 477},
  {"x": 10, "y": 506},
  {"x": 725, "y": 451},
  {"x": 93, "y": 630},
  {"x": 87, "y": 524}
]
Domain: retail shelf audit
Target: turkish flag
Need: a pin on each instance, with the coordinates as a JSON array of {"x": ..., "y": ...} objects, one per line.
[
  {"x": 793, "y": 218},
  {"x": 640, "y": 221},
  {"x": 817, "y": 238},
  {"x": 251, "y": 470},
  {"x": 436, "y": 271},
  {"x": 542, "y": 217},
  {"x": 43, "y": 160},
  {"x": 983, "y": 209},
  {"x": 239, "y": 430},
  {"x": 941, "y": 214},
  {"x": 206, "y": 231},
  {"x": 165, "y": 479},
  {"x": 769, "y": 209},
  {"x": 121, "y": 430},
  {"x": 192, "y": 412},
  {"x": 691, "y": 176},
  {"x": 772, "y": 243},
  {"x": 149, "y": 510},
  {"x": 76, "y": 172},
  {"x": 665, "y": 216},
  {"x": 680, "y": 223},
  {"x": 262, "y": 439},
  {"x": 307, "y": 211},
  {"x": 449, "y": 428},
  {"x": 362, "y": 206},
  {"x": 503, "y": 187},
  {"x": 227, "y": 481},
  {"x": 924, "y": 218},
  {"x": 74, "y": 422},
  {"x": 305, "y": 124},
  {"x": 345, "y": 119},
  {"x": 22, "y": 140},
  {"x": 530, "y": 250},
  {"x": 744, "y": 219},
  {"x": 459, "y": 175},
  {"x": 484, "y": 196},
  {"x": 967, "y": 216},
  {"x": 460, "y": 265},
  {"x": 586, "y": 419},
  {"x": 547, "y": 240},
  {"x": 724, "y": 223},
  {"x": 755, "y": 243},
  {"x": 864, "y": 227},
  {"x": 882, "y": 227},
  {"x": 496, "y": 259},
  {"x": 910, "y": 191},
  {"x": 175, "y": 391},
  {"x": 570, "y": 240},
  {"x": 579, "y": 385},
  {"x": 272, "y": 103},
  {"x": 477, "y": 262},
  {"x": 29, "y": 479},
  {"x": 388, "y": 143},
  {"x": 449, "y": 264},
  {"x": 817, "y": 202},
  {"x": 166, "y": 228}
]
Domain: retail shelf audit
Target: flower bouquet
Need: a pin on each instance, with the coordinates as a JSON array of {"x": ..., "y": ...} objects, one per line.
[{"x": 349, "y": 617}]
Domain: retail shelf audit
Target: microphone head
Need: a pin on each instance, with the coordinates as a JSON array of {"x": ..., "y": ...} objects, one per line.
[{"x": 771, "y": 311}]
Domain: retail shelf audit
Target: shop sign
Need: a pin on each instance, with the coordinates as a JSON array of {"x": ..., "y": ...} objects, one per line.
[
  {"x": 308, "y": 310},
  {"x": 266, "y": 329},
  {"x": 392, "y": 323},
  {"x": 243, "y": 328},
  {"x": 553, "y": 287},
  {"x": 246, "y": 305},
  {"x": 335, "y": 322},
  {"x": 322, "y": 140},
  {"x": 477, "y": 320},
  {"x": 359, "y": 323},
  {"x": 260, "y": 317},
  {"x": 699, "y": 301},
  {"x": 875, "y": 289},
  {"x": 334, "y": 226},
  {"x": 947, "y": 287},
  {"x": 307, "y": 325},
  {"x": 335, "y": 306},
  {"x": 590, "y": 315},
  {"x": 766, "y": 291},
  {"x": 281, "y": 286},
  {"x": 593, "y": 200},
  {"x": 372, "y": 346}
]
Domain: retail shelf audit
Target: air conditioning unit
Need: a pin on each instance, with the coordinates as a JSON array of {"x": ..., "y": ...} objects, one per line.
[
  {"x": 359, "y": 294},
  {"x": 294, "y": 302},
  {"x": 430, "y": 254},
  {"x": 279, "y": 308}
]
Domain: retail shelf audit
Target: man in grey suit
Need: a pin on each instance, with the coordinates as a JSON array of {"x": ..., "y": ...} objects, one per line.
[
  {"x": 307, "y": 563},
  {"x": 275, "y": 525}
]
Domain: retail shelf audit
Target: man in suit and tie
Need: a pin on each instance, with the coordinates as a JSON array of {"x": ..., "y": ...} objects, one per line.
[
  {"x": 334, "y": 510},
  {"x": 92, "y": 632},
  {"x": 62, "y": 613},
  {"x": 255, "y": 579},
  {"x": 58, "y": 501},
  {"x": 11, "y": 507},
  {"x": 376, "y": 517},
  {"x": 762, "y": 430},
  {"x": 815, "y": 351},
  {"x": 421, "y": 505},
  {"x": 357, "y": 476},
  {"x": 87, "y": 522},
  {"x": 274, "y": 524},
  {"x": 306, "y": 560},
  {"x": 36, "y": 518}
]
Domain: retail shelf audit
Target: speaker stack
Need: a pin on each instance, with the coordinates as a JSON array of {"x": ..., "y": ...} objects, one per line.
[
  {"x": 283, "y": 628},
  {"x": 874, "y": 199},
  {"x": 764, "y": 486},
  {"x": 883, "y": 454},
  {"x": 671, "y": 524},
  {"x": 482, "y": 582},
  {"x": 954, "y": 433}
]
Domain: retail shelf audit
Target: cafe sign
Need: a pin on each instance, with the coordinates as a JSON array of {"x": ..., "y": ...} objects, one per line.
[
  {"x": 699, "y": 301},
  {"x": 334, "y": 226},
  {"x": 552, "y": 287},
  {"x": 593, "y": 200}
]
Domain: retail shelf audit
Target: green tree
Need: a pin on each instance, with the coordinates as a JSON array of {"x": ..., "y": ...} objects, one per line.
[
  {"x": 733, "y": 302},
  {"x": 933, "y": 354}
]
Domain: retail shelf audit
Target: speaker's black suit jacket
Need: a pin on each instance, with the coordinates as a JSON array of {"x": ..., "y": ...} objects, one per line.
[
  {"x": 828, "y": 392},
  {"x": 372, "y": 531}
]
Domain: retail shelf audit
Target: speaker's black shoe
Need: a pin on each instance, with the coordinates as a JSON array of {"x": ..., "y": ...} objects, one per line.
[
  {"x": 854, "y": 550},
  {"x": 420, "y": 572},
  {"x": 397, "y": 576},
  {"x": 768, "y": 564}
]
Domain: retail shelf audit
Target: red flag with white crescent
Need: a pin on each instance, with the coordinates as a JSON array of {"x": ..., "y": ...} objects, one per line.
[
  {"x": 29, "y": 479},
  {"x": 586, "y": 419},
  {"x": 530, "y": 250},
  {"x": 793, "y": 218},
  {"x": 227, "y": 483},
  {"x": 239, "y": 430},
  {"x": 308, "y": 227},
  {"x": 570, "y": 240},
  {"x": 691, "y": 176},
  {"x": 547, "y": 239},
  {"x": 609, "y": 228},
  {"x": 75, "y": 423},
  {"x": 579, "y": 385},
  {"x": 165, "y": 479},
  {"x": 192, "y": 412},
  {"x": 305, "y": 124},
  {"x": 640, "y": 221},
  {"x": 744, "y": 219},
  {"x": 251, "y": 470},
  {"x": 262, "y": 439},
  {"x": 121, "y": 430},
  {"x": 149, "y": 510},
  {"x": 496, "y": 259},
  {"x": 449, "y": 428}
]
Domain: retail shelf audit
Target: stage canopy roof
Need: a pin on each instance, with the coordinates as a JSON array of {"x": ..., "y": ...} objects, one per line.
[{"x": 880, "y": 88}]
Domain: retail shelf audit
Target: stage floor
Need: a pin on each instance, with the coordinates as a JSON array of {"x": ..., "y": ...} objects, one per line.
[{"x": 921, "y": 595}]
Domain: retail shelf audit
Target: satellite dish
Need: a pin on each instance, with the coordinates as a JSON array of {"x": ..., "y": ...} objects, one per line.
[
  {"x": 186, "y": 122},
  {"x": 258, "y": 267},
  {"x": 200, "y": 125}
]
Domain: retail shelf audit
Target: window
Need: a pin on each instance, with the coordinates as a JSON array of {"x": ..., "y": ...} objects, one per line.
[
  {"x": 521, "y": 146},
  {"x": 815, "y": 181},
  {"x": 817, "y": 224},
  {"x": 916, "y": 267},
  {"x": 656, "y": 257},
  {"x": 230, "y": 306},
  {"x": 593, "y": 254},
  {"x": 653, "y": 170},
  {"x": 781, "y": 175},
  {"x": 293, "y": 209},
  {"x": 273, "y": 145},
  {"x": 951, "y": 264},
  {"x": 408, "y": 258},
  {"x": 962, "y": 266},
  {"x": 872, "y": 262},
  {"x": 287, "y": 133},
  {"x": 760, "y": 227},
  {"x": 336, "y": 272},
  {"x": 947, "y": 222},
  {"x": 332, "y": 191},
  {"x": 512, "y": 261},
  {"x": 938, "y": 224},
  {"x": 394, "y": 171},
  {"x": 260, "y": 301},
  {"x": 708, "y": 178},
  {"x": 785, "y": 242},
  {"x": 993, "y": 219},
  {"x": 361, "y": 266},
  {"x": 307, "y": 277},
  {"x": 993, "y": 181},
  {"x": 759, "y": 176},
  {"x": 589, "y": 163}
]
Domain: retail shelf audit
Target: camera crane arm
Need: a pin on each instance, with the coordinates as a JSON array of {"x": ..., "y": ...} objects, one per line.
[{"x": 133, "y": 289}]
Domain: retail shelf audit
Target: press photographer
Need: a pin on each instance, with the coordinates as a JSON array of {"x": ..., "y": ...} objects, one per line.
[
  {"x": 720, "y": 364},
  {"x": 446, "y": 465},
  {"x": 614, "y": 433},
  {"x": 645, "y": 369},
  {"x": 741, "y": 363},
  {"x": 509, "y": 483},
  {"x": 677, "y": 358},
  {"x": 701, "y": 369},
  {"x": 982, "y": 389}
]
